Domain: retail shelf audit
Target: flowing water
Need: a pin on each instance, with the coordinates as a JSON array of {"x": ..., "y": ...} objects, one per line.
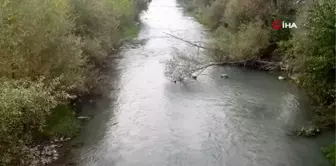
[{"x": 240, "y": 121}]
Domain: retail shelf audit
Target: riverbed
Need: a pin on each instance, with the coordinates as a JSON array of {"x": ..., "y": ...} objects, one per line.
[{"x": 244, "y": 120}]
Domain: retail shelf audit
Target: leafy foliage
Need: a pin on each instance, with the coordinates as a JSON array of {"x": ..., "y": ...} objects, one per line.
[
  {"x": 23, "y": 107},
  {"x": 314, "y": 49},
  {"x": 244, "y": 44},
  {"x": 37, "y": 43},
  {"x": 51, "y": 52},
  {"x": 232, "y": 20},
  {"x": 329, "y": 152},
  {"x": 242, "y": 31}
]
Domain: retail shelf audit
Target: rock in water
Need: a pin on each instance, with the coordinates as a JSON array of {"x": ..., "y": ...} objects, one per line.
[
  {"x": 224, "y": 76},
  {"x": 194, "y": 76},
  {"x": 281, "y": 78},
  {"x": 308, "y": 132}
]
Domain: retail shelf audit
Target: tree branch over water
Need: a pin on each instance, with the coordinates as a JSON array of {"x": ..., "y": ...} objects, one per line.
[
  {"x": 193, "y": 44},
  {"x": 186, "y": 41},
  {"x": 186, "y": 65}
]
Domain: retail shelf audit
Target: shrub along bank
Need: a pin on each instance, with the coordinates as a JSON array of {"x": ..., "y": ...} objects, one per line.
[
  {"x": 51, "y": 52},
  {"x": 242, "y": 31}
]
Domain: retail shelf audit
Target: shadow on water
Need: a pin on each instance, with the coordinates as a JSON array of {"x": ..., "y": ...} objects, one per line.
[{"x": 242, "y": 120}]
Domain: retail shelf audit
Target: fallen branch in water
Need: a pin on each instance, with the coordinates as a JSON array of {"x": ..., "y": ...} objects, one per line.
[
  {"x": 193, "y": 71},
  {"x": 193, "y": 44},
  {"x": 203, "y": 67},
  {"x": 183, "y": 66},
  {"x": 264, "y": 65},
  {"x": 189, "y": 42}
]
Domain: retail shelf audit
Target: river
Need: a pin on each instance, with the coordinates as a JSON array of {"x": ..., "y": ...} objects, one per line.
[{"x": 240, "y": 121}]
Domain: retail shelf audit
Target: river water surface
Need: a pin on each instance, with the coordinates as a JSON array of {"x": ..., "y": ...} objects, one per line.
[{"x": 240, "y": 121}]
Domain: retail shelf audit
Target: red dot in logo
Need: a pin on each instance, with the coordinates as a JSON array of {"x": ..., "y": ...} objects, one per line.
[{"x": 276, "y": 24}]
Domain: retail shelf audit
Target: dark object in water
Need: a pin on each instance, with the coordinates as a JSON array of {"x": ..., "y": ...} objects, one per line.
[
  {"x": 224, "y": 76},
  {"x": 78, "y": 145}
]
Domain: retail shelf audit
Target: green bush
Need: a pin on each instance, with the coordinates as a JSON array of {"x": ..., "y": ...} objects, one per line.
[
  {"x": 244, "y": 44},
  {"x": 329, "y": 152},
  {"x": 313, "y": 45},
  {"x": 50, "y": 52},
  {"x": 36, "y": 41},
  {"x": 240, "y": 27},
  {"x": 239, "y": 12},
  {"x": 102, "y": 24},
  {"x": 215, "y": 13},
  {"x": 23, "y": 108},
  {"x": 95, "y": 20}
]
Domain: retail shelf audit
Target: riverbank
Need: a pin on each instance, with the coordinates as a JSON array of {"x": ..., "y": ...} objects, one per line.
[
  {"x": 235, "y": 44},
  {"x": 80, "y": 118},
  {"x": 250, "y": 40},
  {"x": 243, "y": 34},
  {"x": 64, "y": 124},
  {"x": 53, "y": 53}
]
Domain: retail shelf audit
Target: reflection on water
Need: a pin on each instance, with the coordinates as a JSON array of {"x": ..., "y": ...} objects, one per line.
[{"x": 238, "y": 121}]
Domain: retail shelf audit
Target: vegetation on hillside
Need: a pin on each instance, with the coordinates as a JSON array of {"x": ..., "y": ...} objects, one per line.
[{"x": 50, "y": 53}]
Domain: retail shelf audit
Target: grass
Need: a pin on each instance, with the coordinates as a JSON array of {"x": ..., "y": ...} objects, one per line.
[
  {"x": 62, "y": 123},
  {"x": 131, "y": 31},
  {"x": 329, "y": 152}
]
